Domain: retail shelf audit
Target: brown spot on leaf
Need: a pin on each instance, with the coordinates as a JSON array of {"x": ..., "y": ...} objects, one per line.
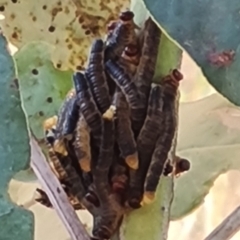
[
  {"x": 59, "y": 65},
  {"x": 70, "y": 46},
  {"x": 34, "y": 18},
  {"x": 14, "y": 1},
  {"x": 14, "y": 35},
  {"x": 2, "y": 8},
  {"x": 51, "y": 29},
  {"x": 12, "y": 16},
  {"x": 81, "y": 19},
  {"x": 88, "y": 32},
  {"x": 222, "y": 59},
  {"x": 44, "y": 7}
]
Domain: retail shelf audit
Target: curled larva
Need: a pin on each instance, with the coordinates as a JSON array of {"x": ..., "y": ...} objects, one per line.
[
  {"x": 146, "y": 144},
  {"x": 124, "y": 133},
  {"x": 82, "y": 144},
  {"x": 96, "y": 76},
  {"x": 87, "y": 106},
  {"x": 120, "y": 34}
]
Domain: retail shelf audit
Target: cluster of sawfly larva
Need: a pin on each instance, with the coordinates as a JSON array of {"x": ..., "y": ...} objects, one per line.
[{"x": 110, "y": 142}]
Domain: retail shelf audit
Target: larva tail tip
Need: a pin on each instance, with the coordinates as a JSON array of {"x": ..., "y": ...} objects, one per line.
[
  {"x": 60, "y": 148},
  {"x": 132, "y": 161},
  {"x": 148, "y": 198},
  {"x": 50, "y": 123},
  {"x": 109, "y": 114},
  {"x": 85, "y": 164}
]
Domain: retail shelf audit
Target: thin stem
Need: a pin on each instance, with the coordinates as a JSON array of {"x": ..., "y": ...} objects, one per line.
[
  {"x": 229, "y": 227},
  {"x": 56, "y": 194}
]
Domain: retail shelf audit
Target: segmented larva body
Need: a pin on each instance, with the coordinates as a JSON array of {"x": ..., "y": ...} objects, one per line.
[
  {"x": 96, "y": 76},
  {"x": 163, "y": 145},
  {"x": 108, "y": 216},
  {"x": 61, "y": 164},
  {"x": 145, "y": 71},
  {"x": 55, "y": 164},
  {"x": 87, "y": 106},
  {"x": 82, "y": 144},
  {"x": 100, "y": 171},
  {"x": 124, "y": 133},
  {"x": 73, "y": 180},
  {"x": 121, "y": 33},
  {"x": 146, "y": 143},
  {"x": 124, "y": 82},
  {"x": 67, "y": 121},
  {"x": 146, "y": 67},
  {"x": 129, "y": 59}
]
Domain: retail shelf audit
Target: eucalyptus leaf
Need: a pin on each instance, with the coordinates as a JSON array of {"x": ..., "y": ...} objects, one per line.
[
  {"x": 15, "y": 222},
  {"x": 43, "y": 87},
  {"x": 68, "y": 25},
  {"x": 209, "y": 136},
  {"x": 208, "y": 31}
]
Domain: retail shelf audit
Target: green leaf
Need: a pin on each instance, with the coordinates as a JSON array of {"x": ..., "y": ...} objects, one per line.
[
  {"x": 205, "y": 29},
  {"x": 42, "y": 86},
  {"x": 68, "y": 25},
  {"x": 15, "y": 222},
  {"x": 209, "y": 136},
  {"x": 151, "y": 221}
]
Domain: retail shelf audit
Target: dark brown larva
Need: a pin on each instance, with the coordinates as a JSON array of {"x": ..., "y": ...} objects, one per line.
[
  {"x": 96, "y": 76},
  {"x": 121, "y": 33},
  {"x": 124, "y": 82},
  {"x": 66, "y": 122},
  {"x": 82, "y": 144},
  {"x": 145, "y": 71},
  {"x": 163, "y": 145},
  {"x": 146, "y": 67},
  {"x": 87, "y": 105},
  {"x": 129, "y": 59},
  {"x": 124, "y": 133},
  {"x": 146, "y": 144},
  {"x": 55, "y": 164},
  {"x": 108, "y": 216}
]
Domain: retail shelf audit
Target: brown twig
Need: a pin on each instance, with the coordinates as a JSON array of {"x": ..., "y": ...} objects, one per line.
[
  {"x": 56, "y": 194},
  {"x": 229, "y": 227}
]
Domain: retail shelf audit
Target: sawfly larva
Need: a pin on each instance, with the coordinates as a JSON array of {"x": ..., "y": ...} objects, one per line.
[
  {"x": 87, "y": 106},
  {"x": 96, "y": 76}
]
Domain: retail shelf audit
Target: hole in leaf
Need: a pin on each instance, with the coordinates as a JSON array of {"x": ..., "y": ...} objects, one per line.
[
  {"x": 41, "y": 113},
  {"x": 35, "y": 71},
  {"x": 49, "y": 99}
]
